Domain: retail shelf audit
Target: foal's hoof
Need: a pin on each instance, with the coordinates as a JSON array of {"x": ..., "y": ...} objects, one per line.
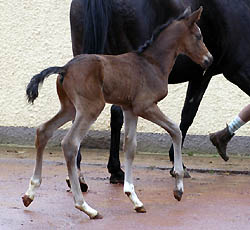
[
  {"x": 117, "y": 178},
  {"x": 186, "y": 173},
  {"x": 97, "y": 217},
  {"x": 178, "y": 195},
  {"x": 26, "y": 200},
  {"x": 140, "y": 209},
  {"x": 83, "y": 185}
]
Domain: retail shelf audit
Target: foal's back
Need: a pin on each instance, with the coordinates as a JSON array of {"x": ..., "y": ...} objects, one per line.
[{"x": 118, "y": 79}]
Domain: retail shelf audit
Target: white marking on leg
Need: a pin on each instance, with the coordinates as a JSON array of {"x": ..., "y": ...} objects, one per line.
[
  {"x": 178, "y": 166},
  {"x": 87, "y": 209},
  {"x": 129, "y": 190},
  {"x": 33, "y": 184},
  {"x": 129, "y": 149}
]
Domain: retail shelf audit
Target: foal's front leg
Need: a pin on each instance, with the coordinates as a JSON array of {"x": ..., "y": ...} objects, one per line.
[
  {"x": 129, "y": 149},
  {"x": 155, "y": 115}
]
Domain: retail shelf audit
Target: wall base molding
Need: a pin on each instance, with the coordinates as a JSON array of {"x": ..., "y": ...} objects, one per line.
[{"x": 147, "y": 142}]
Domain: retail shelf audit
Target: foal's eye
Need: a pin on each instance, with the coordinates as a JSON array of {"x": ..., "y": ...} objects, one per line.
[{"x": 198, "y": 37}]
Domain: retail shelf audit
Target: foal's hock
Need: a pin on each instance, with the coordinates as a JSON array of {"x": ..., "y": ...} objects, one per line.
[{"x": 136, "y": 81}]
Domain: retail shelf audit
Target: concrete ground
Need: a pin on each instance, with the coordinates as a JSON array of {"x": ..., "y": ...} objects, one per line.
[{"x": 216, "y": 197}]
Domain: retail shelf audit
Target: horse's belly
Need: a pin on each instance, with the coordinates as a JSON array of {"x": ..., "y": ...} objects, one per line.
[{"x": 118, "y": 98}]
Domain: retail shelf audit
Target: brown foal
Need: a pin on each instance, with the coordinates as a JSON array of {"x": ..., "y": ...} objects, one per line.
[{"x": 136, "y": 81}]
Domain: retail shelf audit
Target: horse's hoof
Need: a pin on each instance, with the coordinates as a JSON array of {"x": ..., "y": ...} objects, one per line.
[
  {"x": 68, "y": 182},
  {"x": 97, "y": 217},
  {"x": 26, "y": 200},
  {"x": 117, "y": 178},
  {"x": 178, "y": 195},
  {"x": 83, "y": 185},
  {"x": 186, "y": 173},
  {"x": 127, "y": 193},
  {"x": 140, "y": 209}
]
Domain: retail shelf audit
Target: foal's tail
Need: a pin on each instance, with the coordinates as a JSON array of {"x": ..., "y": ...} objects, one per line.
[{"x": 33, "y": 86}]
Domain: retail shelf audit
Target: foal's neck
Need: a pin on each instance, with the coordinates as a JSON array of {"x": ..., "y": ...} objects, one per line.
[{"x": 164, "y": 51}]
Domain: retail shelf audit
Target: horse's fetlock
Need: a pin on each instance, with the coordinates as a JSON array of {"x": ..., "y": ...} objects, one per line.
[
  {"x": 128, "y": 188},
  {"x": 35, "y": 182},
  {"x": 83, "y": 206},
  {"x": 179, "y": 173}
]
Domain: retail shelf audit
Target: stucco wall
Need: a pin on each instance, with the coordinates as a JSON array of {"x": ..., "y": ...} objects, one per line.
[{"x": 36, "y": 34}]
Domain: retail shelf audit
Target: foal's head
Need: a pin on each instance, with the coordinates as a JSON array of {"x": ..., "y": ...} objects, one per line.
[{"x": 192, "y": 42}]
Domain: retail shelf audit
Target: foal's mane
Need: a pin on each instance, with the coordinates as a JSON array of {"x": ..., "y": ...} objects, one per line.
[{"x": 159, "y": 29}]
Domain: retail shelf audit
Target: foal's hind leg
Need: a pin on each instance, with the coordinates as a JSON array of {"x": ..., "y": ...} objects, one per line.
[
  {"x": 83, "y": 184},
  {"x": 70, "y": 145},
  {"x": 43, "y": 134},
  {"x": 155, "y": 115},
  {"x": 129, "y": 150}
]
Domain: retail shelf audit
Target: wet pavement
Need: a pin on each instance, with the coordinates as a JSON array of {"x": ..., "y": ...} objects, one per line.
[{"x": 211, "y": 200}]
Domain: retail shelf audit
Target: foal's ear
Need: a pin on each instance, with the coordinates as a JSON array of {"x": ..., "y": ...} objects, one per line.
[
  {"x": 194, "y": 17},
  {"x": 187, "y": 12}
]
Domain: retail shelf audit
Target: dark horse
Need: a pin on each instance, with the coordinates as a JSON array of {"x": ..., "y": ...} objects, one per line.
[{"x": 226, "y": 31}]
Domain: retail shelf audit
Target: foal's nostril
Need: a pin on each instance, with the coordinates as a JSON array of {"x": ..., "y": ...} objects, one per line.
[{"x": 208, "y": 61}]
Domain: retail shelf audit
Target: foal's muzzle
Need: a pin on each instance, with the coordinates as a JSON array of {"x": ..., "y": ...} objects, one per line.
[{"x": 208, "y": 60}]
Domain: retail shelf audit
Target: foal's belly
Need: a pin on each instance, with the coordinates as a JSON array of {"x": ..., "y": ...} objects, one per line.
[{"x": 118, "y": 98}]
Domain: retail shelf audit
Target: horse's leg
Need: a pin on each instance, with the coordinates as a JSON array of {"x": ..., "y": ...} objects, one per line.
[
  {"x": 76, "y": 26},
  {"x": 71, "y": 143},
  {"x": 241, "y": 79},
  {"x": 114, "y": 166},
  {"x": 129, "y": 150},
  {"x": 194, "y": 95},
  {"x": 43, "y": 134},
  {"x": 155, "y": 115}
]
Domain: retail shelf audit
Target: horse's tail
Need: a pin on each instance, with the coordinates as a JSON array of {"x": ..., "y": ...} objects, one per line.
[
  {"x": 37, "y": 80},
  {"x": 97, "y": 15}
]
